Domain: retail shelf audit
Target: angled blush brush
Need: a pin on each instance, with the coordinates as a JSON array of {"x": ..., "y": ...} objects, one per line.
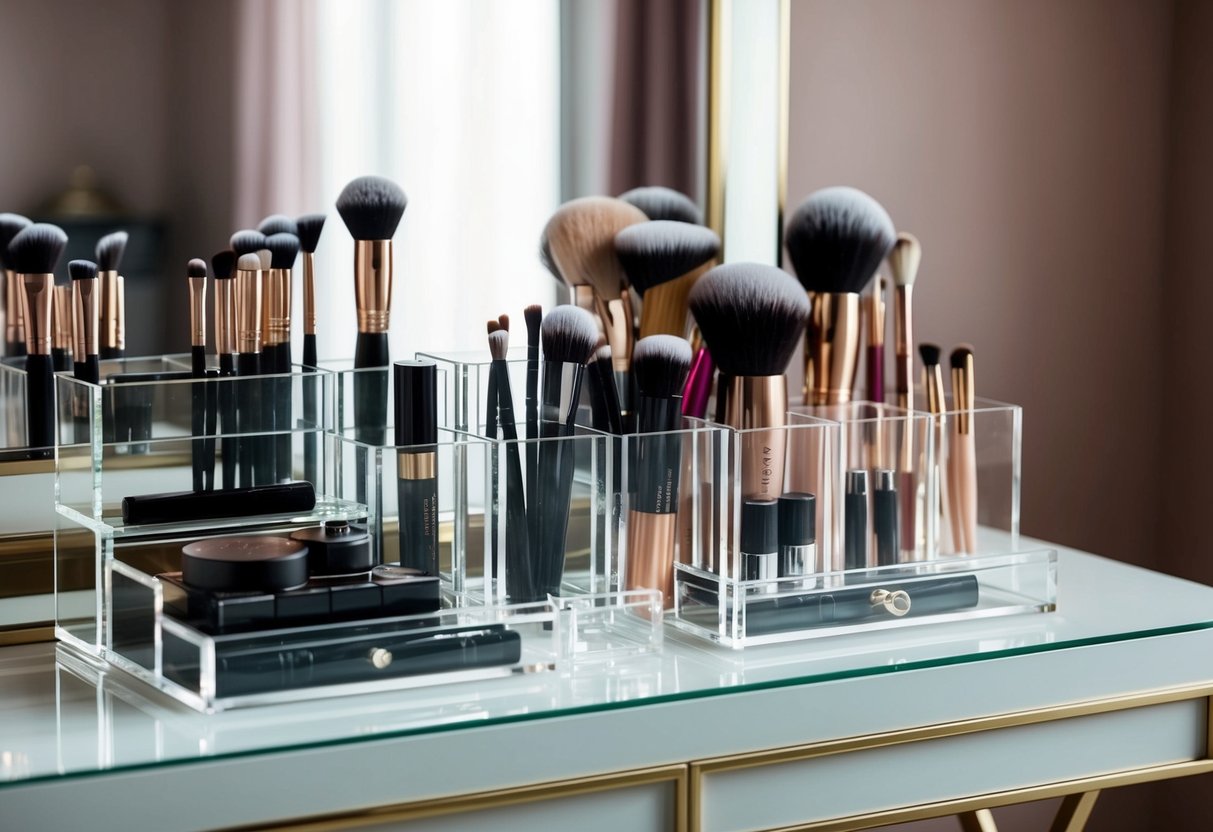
[
  {"x": 661, "y": 203},
  {"x": 662, "y": 260},
  {"x": 112, "y": 310},
  {"x": 32, "y": 256},
  {"x": 14, "y": 321}
]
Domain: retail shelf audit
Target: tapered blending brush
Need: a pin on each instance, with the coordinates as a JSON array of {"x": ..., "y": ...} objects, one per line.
[
  {"x": 933, "y": 390},
  {"x": 569, "y": 335},
  {"x": 14, "y": 322},
  {"x": 836, "y": 240},
  {"x": 520, "y": 582},
  {"x": 582, "y": 238},
  {"x": 61, "y": 328},
  {"x": 660, "y": 365},
  {"x": 662, "y": 260},
  {"x": 310, "y": 226},
  {"x": 86, "y": 366},
  {"x": 904, "y": 259},
  {"x": 278, "y": 224},
  {"x": 31, "y": 257},
  {"x": 196, "y": 275},
  {"x": 248, "y": 359},
  {"x": 752, "y": 317},
  {"x": 223, "y": 265},
  {"x": 661, "y": 203},
  {"x": 371, "y": 208},
  {"x": 112, "y": 310},
  {"x": 962, "y": 452}
]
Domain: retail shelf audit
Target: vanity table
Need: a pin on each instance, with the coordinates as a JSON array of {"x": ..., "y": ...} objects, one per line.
[{"x": 841, "y": 733}]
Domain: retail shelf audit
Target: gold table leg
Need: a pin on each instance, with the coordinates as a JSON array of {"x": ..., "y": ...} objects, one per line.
[
  {"x": 981, "y": 820},
  {"x": 1074, "y": 812}
]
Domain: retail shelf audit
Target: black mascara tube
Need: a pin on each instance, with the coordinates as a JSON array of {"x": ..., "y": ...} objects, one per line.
[
  {"x": 855, "y": 519},
  {"x": 416, "y": 404},
  {"x": 884, "y": 518}
]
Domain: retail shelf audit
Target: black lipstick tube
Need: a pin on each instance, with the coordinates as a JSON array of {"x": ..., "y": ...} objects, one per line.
[{"x": 416, "y": 405}]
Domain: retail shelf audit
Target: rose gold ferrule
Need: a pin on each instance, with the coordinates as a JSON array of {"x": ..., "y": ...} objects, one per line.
[
  {"x": 85, "y": 300},
  {"x": 37, "y": 298},
  {"x": 962, "y": 395},
  {"x": 373, "y": 284},
  {"x": 903, "y": 341},
  {"x": 876, "y": 313},
  {"x": 197, "y": 311},
  {"x": 616, "y": 317},
  {"x": 411, "y": 465},
  {"x": 309, "y": 293},
  {"x": 224, "y": 341},
  {"x": 14, "y": 326},
  {"x": 112, "y": 310},
  {"x": 650, "y": 559},
  {"x": 831, "y": 348},
  {"x": 61, "y": 319},
  {"x": 759, "y": 402},
  {"x": 277, "y": 303},
  {"x": 248, "y": 311}
]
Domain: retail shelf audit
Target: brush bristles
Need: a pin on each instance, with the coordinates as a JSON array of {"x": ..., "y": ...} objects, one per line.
[
  {"x": 904, "y": 259},
  {"x": 656, "y": 252},
  {"x": 195, "y": 268},
  {"x": 533, "y": 316},
  {"x": 36, "y": 249},
  {"x": 665, "y": 306},
  {"x": 751, "y": 316},
  {"x": 249, "y": 263},
  {"x": 10, "y": 226},
  {"x": 371, "y": 207},
  {"x": 309, "y": 227},
  {"x": 602, "y": 353},
  {"x": 504, "y": 321},
  {"x": 581, "y": 235},
  {"x": 247, "y": 241},
  {"x": 930, "y": 354},
  {"x": 82, "y": 269},
  {"x": 837, "y": 238},
  {"x": 499, "y": 344},
  {"x": 569, "y": 335},
  {"x": 264, "y": 258},
  {"x": 492, "y": 326},
  {"x": 278, "y": 224},
  {"x": 109, "y": 251},
  {"x": 545, "y": 257},
  {"x": 283, "y": 249},
  {"x": 961, "y": 356},
  {"x": 222, "y": 264},
  {"x": 660, "y": 203},
  {"x": 660, "y": 365}
]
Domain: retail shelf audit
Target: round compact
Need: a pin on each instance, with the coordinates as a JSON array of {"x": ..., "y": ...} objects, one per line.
[
  {"x": 336, "y": 548},
  {"x": 244, "y": 564}
]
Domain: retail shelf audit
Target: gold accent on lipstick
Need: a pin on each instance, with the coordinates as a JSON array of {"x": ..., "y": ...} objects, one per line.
[
  {"x": 650, "y": 560},
  {"x": 61, "y": 318},
  {"x": 112, "y": 310},
  {"x": 248, "y": 311},
  {"x": 373, "y": 284},
  {"x": 759, "y": 402},
  {"x": 309, "y": 293},
  {"x": 197, "y": 311},
  {"x": 85, "y": 302},
  {"x": 37, "y": 292},
  {"x": 831, "y": 347},
  {"x": 419, "y": 465}
]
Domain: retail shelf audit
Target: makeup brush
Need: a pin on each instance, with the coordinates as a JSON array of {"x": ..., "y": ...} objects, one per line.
[
  {"x": 196, "y": 275},
  {"x": 248, "y": 359},
  {"x": 278, "y": 224},
  {"x": 533, "y": 315},
  {"x": 962, "y": 456},
  {"x": 61, "y": 328},
  {"x": 662, "y": 260},
  {"x": 371, "y": 208},
  {"x": 568, "y": 336},
  {"x": 310, "y": 226},
  {"x": 266, "y": 449},
  {"x": 519, "y": 580},
  {"x": 660, "y": 365},
  {"x": 247, "y": 241},
  {"x": 582, "y": 238},
  {"x": 752, "y": 317},
  {"x": 610, "y": 419},
  {"x": 31, "y": 257},
  {"x": 836, "y": 240},
  {"x": 14, "y": 323},
  {"x": 86, "y": 366},
  {"x": 580, "y": 292},
  {"x": 904, "y": 259},
  {"x": 112, "y": 309},
  {"x": 284, "y": 249},
  {"x": 932, "y": 385},
  {"x": 223, "y": 266},
  {"x": 661, "y": 203}
]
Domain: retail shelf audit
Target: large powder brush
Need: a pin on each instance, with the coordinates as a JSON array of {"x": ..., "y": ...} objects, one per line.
[{"x": 663, "y": 259}]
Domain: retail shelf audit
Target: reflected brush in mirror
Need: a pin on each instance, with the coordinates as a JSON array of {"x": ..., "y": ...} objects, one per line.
[
  {"x": 661, "y": 203},
  {"x": 836, "y": 240},
  {"x": 14, "y": 321},
  {"x": 962, "y": 452},
  {"x": 112, "y": 311},
  {"x": 662, "y": 260}
]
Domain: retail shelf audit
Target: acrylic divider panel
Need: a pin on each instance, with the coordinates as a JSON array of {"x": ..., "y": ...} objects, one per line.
[{"x": 889, "y": 454}]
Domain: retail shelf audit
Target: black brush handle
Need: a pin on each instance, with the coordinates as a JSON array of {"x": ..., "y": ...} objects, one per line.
[
  {"x": 309, "y": 350},
  {"x": 59, "y": 358},
  {"x": 311, "y": 394},
  {"x": 14, "y": 349},
  {"x": 282, "y": 416},
  {"x": 40, "y": 406},
  {"x": 227, "y": 414},
  {"x": 532, "y": 424},
  {"x": 490, "y": 430},
  {"x": 370, "y": 398},
  {"x": 265, "y": 469},
  {"x": 212, "y": 428},
  {"x": 108, "y": 353},
  {"x": 417, "y": 504},
  {"x": 198, "y": 417},
  {"x": 520, "y": 582},
  {"x": 248, "y": 416}
]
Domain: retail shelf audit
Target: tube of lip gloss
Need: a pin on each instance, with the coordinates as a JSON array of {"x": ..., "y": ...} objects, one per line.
[{"x": 416, "y": 404}]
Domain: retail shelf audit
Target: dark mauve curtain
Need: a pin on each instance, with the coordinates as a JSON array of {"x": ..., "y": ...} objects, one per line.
[{"x": 655, "y": 112}]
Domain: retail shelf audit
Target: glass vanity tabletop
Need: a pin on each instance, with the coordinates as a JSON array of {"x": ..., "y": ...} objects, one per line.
[{"x": 62, "y": 718}]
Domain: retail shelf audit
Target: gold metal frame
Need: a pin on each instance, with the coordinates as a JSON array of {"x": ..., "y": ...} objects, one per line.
[
  {"x": 464, "y": 804},
  {"x": 1082, "y": 792}
]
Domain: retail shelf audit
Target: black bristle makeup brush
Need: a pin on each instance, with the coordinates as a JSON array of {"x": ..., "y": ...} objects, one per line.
[
  {"x": 14, "y": 321},
  {"x": 660, "y": 366},
  {"x": 602, "y": 371},
  {"x": 247, "y": 241},
  {"x": 371, "y": 208},
  {"x": 518, "y": 574},
  {"x": 196, "y": 275},
  {"x": 284, "y": 250},
  {"x": 533, "y": 315},
  {"x": 223, "y": 265},
  {"x": 936, "y": 403},
  {"x": 86, "y": 366},
  {"x": 278, "y": 224},
  {"x": 836, "y": 240},
  {"x": 663, "y": 259},
  {"x": 661, "y": 203},
  {"x": 752, "y": 316},
  {"x": 310, "y": 226},
  {"x": 31, "y": 257},
  {"x": 112, "y": 309},
  {"x": 569, "y": 335},
  {"x": 248, "y": 361},
  {"x": 597, "y": 391}
]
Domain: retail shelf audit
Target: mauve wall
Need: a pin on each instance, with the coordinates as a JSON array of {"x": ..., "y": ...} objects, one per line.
[{"x": 1053, "y": 158}]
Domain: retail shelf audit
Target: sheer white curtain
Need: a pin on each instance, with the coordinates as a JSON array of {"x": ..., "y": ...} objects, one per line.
[{"x": 458, "y": 101}]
